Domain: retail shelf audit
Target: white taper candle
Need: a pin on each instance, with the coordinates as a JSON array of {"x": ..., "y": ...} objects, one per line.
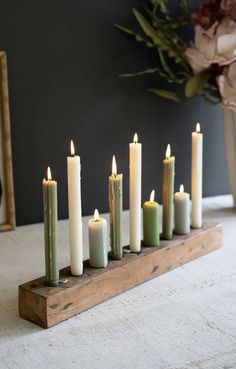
[
  {"x": 75, "y": 212},
  {"x": 135, "y": 162},
  {"x": 197, "y": 147}
]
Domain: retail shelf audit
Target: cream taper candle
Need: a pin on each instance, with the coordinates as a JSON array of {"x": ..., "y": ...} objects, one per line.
[
  {"x": 197, "y": 147},
  {"x": 135, "y": 167},
  {"x": 168, "y": 193},
  {"x": 75, "y": 212},
  {"x": 116, "y": 210}
]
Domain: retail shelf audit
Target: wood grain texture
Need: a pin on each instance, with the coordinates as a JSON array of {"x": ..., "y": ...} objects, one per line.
[
  {"x": 6, "y": 145},
  {"x": 47, "y": 306},
  {"x": 184, "y": 319}
]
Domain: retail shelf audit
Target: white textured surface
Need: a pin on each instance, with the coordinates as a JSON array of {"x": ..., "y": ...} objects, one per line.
[{"x": 183, "y": 319}]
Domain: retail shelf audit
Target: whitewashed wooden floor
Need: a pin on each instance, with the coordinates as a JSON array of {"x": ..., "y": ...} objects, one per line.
[{"x": 183, "y": 319}]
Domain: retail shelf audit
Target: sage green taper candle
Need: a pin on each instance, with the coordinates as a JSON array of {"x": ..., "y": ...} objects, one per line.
[
  {"x": 151, "y": 229},
  {"x": 98, "y": 241},
  {"x": 50, "y": 230},
  {"x": 116, "y": 210},
  {"x": 182, "y": 211},
  {"x": 168, "y": 192}
]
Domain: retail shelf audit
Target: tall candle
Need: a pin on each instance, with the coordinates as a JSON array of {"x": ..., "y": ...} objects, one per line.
[
  {"x": 182, "y": 211},
  {"x": 197, "y": 146},
  {"x": 116, "y": 209},
  {"x": 75, "y": 213},
  {"x": 135, "y": 162},
  {"x": 168, "y": 192},
  {"x": 98, "y": 241},
  {"x": 50, "y": 230},
  {"x": 151, "y": 229}
]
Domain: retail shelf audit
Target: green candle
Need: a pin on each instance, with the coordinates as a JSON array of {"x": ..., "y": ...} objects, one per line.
[
  {"x": 168, "y": 192},
  {"x": 50, "y": 230},
  {"x": 116, "y": 209},
  {"x": 151, "y": 229}
]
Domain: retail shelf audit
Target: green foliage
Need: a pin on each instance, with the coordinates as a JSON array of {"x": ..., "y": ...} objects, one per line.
[
  {"x": 146, "y": 71},
  {"x": 161, "y": 4},
  {"x": 157, "y": 70},
  {"x": 136, "y": 35},
  {"x": 165, "y": 40},
  {"x": 184, "y": 6},
  {"x": 160, "y": 33},
  {"x": 166, "y": 94},
  {"x": 196, "y": 83}
]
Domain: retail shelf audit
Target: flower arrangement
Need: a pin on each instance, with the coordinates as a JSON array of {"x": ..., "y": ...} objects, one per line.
[{"x": 206, "y": 67}]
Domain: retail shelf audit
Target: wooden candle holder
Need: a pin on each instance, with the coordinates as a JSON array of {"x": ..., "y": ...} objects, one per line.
[{"x": 47, "y": 306}]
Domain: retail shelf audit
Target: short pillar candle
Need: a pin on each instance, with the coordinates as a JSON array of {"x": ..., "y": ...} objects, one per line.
[
  {"x": 151, "y": 228},
  {"x": 168, "y": 193},
  {"x": 182, "y": 211},
  {"x": 98, "y": 241},
  {"x": 50, "y": 230},
  {"x": 116, "y": 210}
]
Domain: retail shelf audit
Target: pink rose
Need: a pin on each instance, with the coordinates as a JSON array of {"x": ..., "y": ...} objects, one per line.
[
  {"x": 217, "y": 45},
  {"x": 227, "y": 86}
]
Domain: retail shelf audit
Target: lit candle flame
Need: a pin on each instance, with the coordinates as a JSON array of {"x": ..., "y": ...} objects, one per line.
[
  {"x": 135, "y": 140},
  {"x": 152, "y": 196},
  {"x": 114, "y": 166},
  {"x": 72, "y": 148},
  {"x": 49, "y": 174},
  {"x": 96, "y": 215},
  {"x": 181, "y": 189},
  {"x": 168, "y": 151},
  {"x": 198, "y": 128}
]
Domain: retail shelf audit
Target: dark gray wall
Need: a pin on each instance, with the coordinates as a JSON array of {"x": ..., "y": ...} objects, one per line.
[{"x": 64, "y": 58}]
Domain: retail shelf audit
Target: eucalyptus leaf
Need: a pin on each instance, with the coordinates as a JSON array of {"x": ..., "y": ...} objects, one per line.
[
  {"x": 212, "y": 90},
  {"x": 196, "y": 83},
  {"x": 143, "y": 72},
  {"x": 177, "y": 23},
  {"x": 183, "y": 5},
  {"x": 147, "y": 28},
  {"x": 173, "y": 79},
  {"x": 166, "y": 94},
  {"x": 160, "y": 37},
  {"x": 162, "y": 5},
  {"x": 136, "y": 35},
  {"x": 211, "y": 101}
]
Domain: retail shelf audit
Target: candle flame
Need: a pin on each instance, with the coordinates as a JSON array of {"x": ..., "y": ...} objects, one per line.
[
  {"x": 135, "y": 140},
  {"x": 152, "y": 196},
  {"x": 49, "y": 174},
  {"x": 181, "y": 189},
  {"x": 114, "y": 166},
  {"x": 168, "y": 151},
  {"x": 72, "y": 148},
  {"x": 96, "y": 215},
  {"x": 198, "y": 128}
]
